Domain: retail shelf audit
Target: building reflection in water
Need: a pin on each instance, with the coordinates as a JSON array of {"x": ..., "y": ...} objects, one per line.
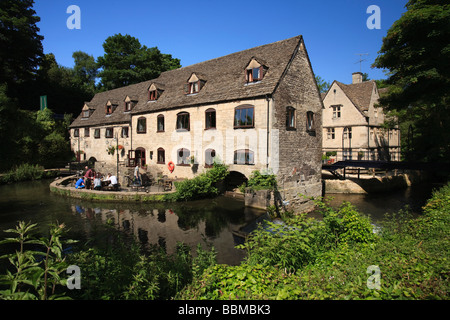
[{"x": 206, "y": 222}]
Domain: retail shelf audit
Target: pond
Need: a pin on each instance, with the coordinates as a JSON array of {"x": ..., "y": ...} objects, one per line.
[{"x": 208, "y": 222}]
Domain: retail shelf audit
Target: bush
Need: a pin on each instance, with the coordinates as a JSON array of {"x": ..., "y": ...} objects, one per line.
[
  {"x": 22, "y": 173},
  {"x": 260, "y": 181},
  {"x": 202, "y": 186}
]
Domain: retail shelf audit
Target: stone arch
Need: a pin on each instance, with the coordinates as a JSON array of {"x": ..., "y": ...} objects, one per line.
[{"x": 234, "y": 180}]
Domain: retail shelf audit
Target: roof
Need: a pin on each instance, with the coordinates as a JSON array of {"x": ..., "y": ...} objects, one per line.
[
  {"x": 359, "y": 94},
  {"x": 224, "y": 81}
]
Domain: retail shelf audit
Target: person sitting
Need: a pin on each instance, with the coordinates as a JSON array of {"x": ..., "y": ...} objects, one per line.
[
  {"x": 97, "y": 182},
  {"x": 113, "y": 181},
  {"x": 80, "y": 184}
]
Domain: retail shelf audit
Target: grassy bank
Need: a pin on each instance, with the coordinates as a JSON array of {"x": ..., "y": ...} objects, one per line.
[
  {"x": 26, "y": 172},
  {"x": 340, "y": 258}
]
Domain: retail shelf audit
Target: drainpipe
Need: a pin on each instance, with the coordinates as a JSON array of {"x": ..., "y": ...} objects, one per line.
[{"x": 268, "y": 131}]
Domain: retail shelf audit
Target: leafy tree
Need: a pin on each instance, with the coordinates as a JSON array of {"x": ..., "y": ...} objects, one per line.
[
  {"x": 85, "y": 70},
  {"x": 126, "y": 62},
  {"x": 416, "y": 51},
  {"x": 21, "y": 44},
  {"x": 322, "y": 84}
]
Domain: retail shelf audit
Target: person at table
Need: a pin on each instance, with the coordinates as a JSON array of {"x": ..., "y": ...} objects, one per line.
[
  {"x": 89, "y": 175},
  {"x": 80, "y": 183},
  {"x": 97, "y": 182},
  {"x": 113, "y": 181}
]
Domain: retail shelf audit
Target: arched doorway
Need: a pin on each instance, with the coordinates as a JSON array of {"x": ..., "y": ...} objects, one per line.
[
  {"x": 234, "y": 179},
  {"x": 136, "y": 157}
]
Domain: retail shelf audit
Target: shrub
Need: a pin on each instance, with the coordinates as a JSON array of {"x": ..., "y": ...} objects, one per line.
[
  {"x": 202, "y": 186},
  {"x": 260, "y": 181}
]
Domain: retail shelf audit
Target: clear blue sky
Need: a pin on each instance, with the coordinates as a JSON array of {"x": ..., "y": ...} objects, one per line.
[{"x": 195, "y": 31}]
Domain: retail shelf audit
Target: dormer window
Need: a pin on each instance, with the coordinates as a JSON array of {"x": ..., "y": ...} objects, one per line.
[
  {"x": 110, "y": 107},
  {"x": 194, "y": 85},
  {"x": 85, "y": 112},
  {"x": 129, "y": 103},
  {"x": 154, "y": 92},
  {"x": 254, "y": 71}
]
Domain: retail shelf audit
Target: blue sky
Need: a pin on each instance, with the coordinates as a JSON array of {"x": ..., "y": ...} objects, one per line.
[{"x": 195, "y": 31}]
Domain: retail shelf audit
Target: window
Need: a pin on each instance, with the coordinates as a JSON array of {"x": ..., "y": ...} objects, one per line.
[
  {"x": 310, "y": 123},
  {"x": 128, "y": 106},
  {"x": 161, "y": 159},
  {"x": 183, "y": 121},
  {"x": 193, "y": 87},
  {"x": 108, "y": 109},
  {"x": 109, "y": 132},
  {"x": 152, "y": 95},
  {"x": 97, "y": 133},
  {"x": 86, "y": 132},
  {"x": 336, "y": 112},
  {"x": 290, "y": 118},
  {"x": 183, "y": 157},
  {"x": 124, "y": 132},
  {"x": 76, "y": 132},
  {"x": 244, "y": 156},
  {"x": 85, "y": 113},
  {"x": 141, "y": 125},
  {"x": 347, "y": 133},
  {"x": 194, "y": 84},
  {"x": 244, "y": 117},
  {"x": 210, "y": 154},
  {"x": 254, "y": 74},
  {"x": 331, "y": 134},
  {"x": 210, "y": 119},
  {"x": 160, "y": 123}
]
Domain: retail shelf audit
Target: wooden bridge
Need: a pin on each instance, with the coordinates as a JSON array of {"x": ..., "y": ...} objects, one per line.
[{"x": 380, "y": 165}]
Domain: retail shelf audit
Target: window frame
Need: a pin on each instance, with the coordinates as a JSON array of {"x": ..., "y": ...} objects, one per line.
[
  {"x": 209, "y": 114},
  {"x": 161, "y": 151},
  {"x": 247, "y": 153},
  {"x": 87, "y": 130},
  {"x": 249, "y": 74},
  {"x": 310, "y": 121},
  {"x": 290, "y": 118},
  {"x": 336, "y": 111},
  {"x": 123, "y": 130},
  {"x": 331, "y": 133},
  {"x": 111, "y": 130},
  {"x": 209, "y": 154},
  {"x": 185, "y": 161},
  {"x": 76, "y": 133},
  {"x": 158, "y": 119},
  {"x": 244, "y": 107},
  {"x": 108, "y": 110},
  {"x": 183, "y": 114},
  {"x": 97, "y": 133},
  {"x": 85, "y": 114},
  {"x": 144, "y": 130},
  {"x": 152, "y": 95}
]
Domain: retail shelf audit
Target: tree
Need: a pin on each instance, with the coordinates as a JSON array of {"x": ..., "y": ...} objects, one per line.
[
  {"x": 85, "y": 70},
  {"x": 21, "y": 47},
  {"x": 322, "y": 84},
  {"x": 416, "y": 51},
  {"x": 126, "y": 62}
]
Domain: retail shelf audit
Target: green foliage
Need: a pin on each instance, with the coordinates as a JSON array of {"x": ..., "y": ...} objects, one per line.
[
  {"x": 35, "y": 273},
  {"x": 202, "y": 186},
  {"x": 334, "y": 255},
  {"x": 418, "y": 83},
  {"x": 126, "y": 62},
  {"x": 23, "y": 172},
  {"x": 260, "y": 181}
]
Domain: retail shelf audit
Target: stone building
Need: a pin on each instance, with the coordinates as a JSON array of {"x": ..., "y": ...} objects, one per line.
[
  {"x": 258, "y": 109},
  {"x": 353, "y": 123}
]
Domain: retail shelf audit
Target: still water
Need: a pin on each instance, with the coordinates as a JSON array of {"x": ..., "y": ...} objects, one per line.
[{"x": 208, "y": 222}]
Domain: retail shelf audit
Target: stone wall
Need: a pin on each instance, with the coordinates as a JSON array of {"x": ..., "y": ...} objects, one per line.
[{"x": 299, "y": 149}]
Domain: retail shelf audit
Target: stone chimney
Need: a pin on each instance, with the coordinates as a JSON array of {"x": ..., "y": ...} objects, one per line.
[{"x": 357, "y": 77}]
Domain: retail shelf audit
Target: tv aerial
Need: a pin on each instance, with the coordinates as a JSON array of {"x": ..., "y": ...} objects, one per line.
[{"x": 361, "y": 59}]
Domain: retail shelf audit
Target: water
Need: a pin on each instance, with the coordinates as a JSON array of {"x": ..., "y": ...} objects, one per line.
[{"x": 208, "y": 222}]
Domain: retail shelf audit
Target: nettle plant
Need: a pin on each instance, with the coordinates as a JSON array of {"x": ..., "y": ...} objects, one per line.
[{"x": 36, "y": 266}]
